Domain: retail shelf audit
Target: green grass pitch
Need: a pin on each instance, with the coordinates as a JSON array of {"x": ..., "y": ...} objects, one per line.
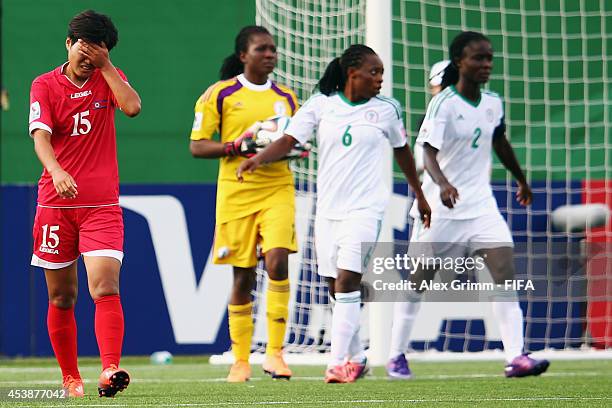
[{"x": 191, "y": 381}]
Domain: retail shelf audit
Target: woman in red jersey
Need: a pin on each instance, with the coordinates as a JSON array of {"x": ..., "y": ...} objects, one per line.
[{"x": 72, "y": 122}]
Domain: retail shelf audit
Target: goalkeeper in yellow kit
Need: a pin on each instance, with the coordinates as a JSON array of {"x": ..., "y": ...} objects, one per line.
[{"x": 258, "y": 213}]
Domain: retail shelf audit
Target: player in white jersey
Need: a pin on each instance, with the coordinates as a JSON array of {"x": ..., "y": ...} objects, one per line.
[
  {"x": 352, "y": 124},
  {"x": 461, "y": 126},
  {"x": 435, "y": 86},
  {"x": 403, "y": 316}
]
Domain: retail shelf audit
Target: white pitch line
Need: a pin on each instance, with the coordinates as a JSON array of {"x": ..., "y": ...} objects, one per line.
[
  {"x": 142, "y": 367},
  {"x": 326, "y": 402},
  {"x": 311, "y": 378}
]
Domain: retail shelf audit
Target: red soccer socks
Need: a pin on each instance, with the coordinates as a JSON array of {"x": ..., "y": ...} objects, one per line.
[
  {"x": 62, "y": 329},
  {"x": 109, "y": 329}
]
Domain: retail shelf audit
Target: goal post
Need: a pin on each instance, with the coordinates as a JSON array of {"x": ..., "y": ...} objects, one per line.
[{"x": 380, "y": 38}]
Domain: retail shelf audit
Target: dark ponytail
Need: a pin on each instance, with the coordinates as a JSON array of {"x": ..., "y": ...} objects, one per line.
[
  {"x": 232, "y": 65},
  {"x": 455, "y": 51},
  {"x": 332, "y": 80},
  {"x": 336, "y": 73},
  {"x": 451, "y": 75}
]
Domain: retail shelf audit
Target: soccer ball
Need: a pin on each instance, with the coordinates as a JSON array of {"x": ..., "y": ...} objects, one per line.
[
  {"x": 161, "y": 358},
  {"x": 272, "y": 129}
]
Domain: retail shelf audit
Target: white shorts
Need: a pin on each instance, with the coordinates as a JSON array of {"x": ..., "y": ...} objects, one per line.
[
  {"x": 338, "y": 243},
  {"x": 473, "y": 234}
]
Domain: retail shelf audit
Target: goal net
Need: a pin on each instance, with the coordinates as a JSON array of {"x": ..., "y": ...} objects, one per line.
[
  {"x": 552, "y": 70},
  {"x": 308, "y": 34}
]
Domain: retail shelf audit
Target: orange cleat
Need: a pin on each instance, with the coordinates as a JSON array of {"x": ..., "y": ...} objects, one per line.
[
  {"x": 112, "y": 380},
  {"x": 240, "y": 372},
  {"x": 337, "y": 374},
  {"x": 73, "y": 387},
  {"x": 356, "y": 370},
  {"x": 275, "y": 366}
]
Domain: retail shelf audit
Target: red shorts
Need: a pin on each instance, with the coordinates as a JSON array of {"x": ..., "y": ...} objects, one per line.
[{"x": 62, "y": 234}]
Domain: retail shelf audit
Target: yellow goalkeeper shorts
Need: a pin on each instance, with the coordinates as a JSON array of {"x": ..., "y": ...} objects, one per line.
[{"x": 236, "y": 241}]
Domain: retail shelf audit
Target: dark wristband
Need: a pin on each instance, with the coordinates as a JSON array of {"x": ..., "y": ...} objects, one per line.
[{"x": 230, "y": 149}]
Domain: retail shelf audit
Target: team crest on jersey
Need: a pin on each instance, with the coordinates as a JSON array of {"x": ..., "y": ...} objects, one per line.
[
  {"x": 371, "y": 116},
  {"x": 279, "y": 108},
  {"x": 34, "y": 111},
  {"x": 423, "y": 132},
  {"x": 490, "y": 116},
  {"x": 101, "y": 104}
]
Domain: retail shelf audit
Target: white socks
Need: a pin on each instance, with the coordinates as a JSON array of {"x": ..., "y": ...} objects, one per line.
[
  {"x": 404, "y": 314},
  {"x": 345, "y": 326},
  {"x": 510, "y": 320},
  {"x": 356, "y": 352},
  {"x": 507, "y": 313}
]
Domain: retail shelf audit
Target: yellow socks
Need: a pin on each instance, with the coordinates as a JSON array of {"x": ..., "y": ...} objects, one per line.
[
  {"x": 241, "y": 330},
  {"x": 277, "y": 311}
]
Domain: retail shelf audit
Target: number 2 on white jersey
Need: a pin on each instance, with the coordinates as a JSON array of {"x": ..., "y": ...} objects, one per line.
[
  {"x": 477, "y": 133},
  {"x": 82, "y": 125}
]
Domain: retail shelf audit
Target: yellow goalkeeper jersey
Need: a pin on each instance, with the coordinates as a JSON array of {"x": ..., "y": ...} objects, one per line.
[{"x": 228, "y": 108}]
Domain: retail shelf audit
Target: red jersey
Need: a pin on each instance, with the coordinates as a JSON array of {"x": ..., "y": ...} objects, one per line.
[{"x": 81, "y": 121}]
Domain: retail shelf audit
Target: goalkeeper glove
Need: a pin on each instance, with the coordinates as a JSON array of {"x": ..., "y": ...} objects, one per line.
[
  {"x": 299, "y": 151},
  {"x": 252, "y": 142},
  {"x": 245, "y": 144}
]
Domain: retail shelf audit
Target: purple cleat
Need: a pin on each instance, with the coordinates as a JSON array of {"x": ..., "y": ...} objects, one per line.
[
  {"x": 523, "y": 366},
  {"x": 397, "y": 368}
]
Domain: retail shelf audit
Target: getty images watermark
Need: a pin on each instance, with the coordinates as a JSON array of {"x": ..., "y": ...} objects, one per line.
[
  {"x": 473, "y": 272},
  {"x": 460, "y": 265}
]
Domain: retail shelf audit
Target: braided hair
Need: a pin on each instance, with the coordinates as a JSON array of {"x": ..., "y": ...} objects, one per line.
[
  {"x": 451, "y": 73},
  {"x": 336, "y": 73},
  {"x": 232, "y": 65}
]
